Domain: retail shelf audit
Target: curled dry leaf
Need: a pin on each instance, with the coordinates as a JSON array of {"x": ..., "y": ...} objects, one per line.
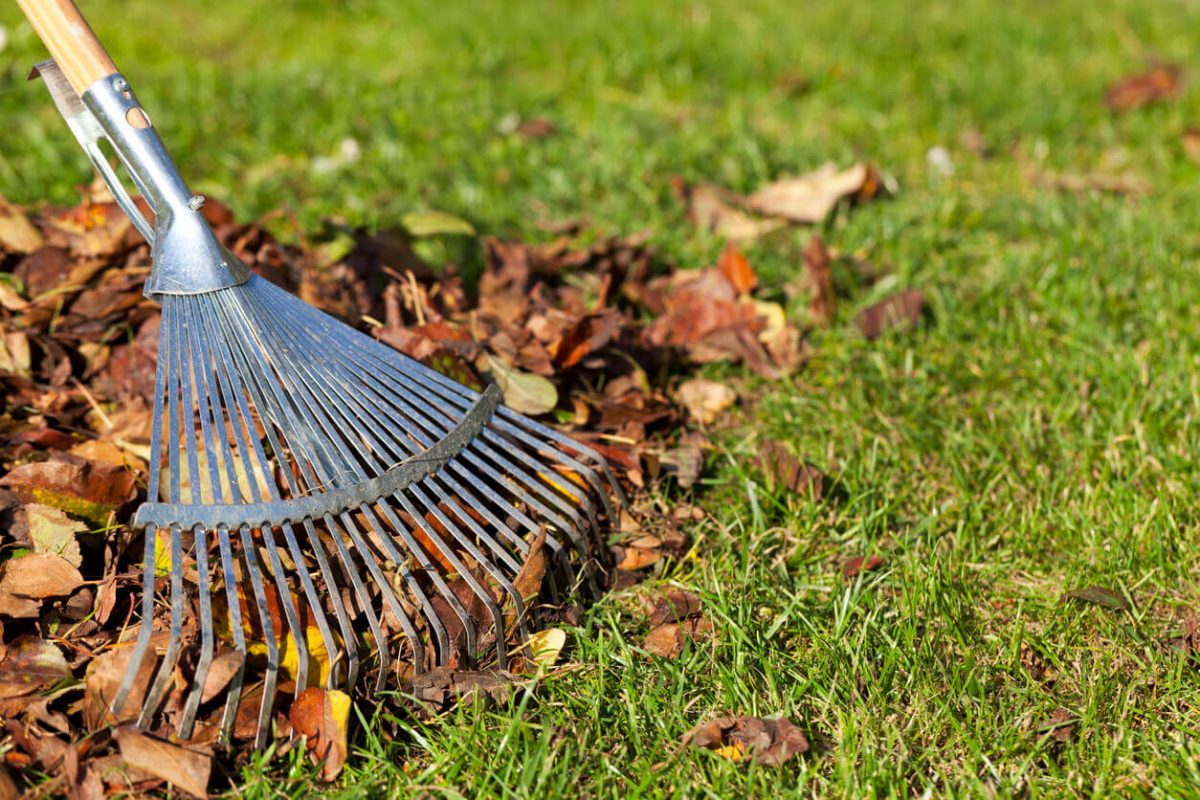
[
  {"x": 737, "y": 270},
  {"x": 901, "y": 310},
  {"x": 1157, "y": 85},
  {"x": 769, "y": 742},
  {"x": 544, "y": 647},
  {"x": 705, "y": 399},
  {"x": 184, "y": 768},
  {"x": 321, "y": 716},
  {"x": 674, "y": 605},
  {"x": 17, "y": 233},
  {"x": 809, "y": 198},
  {"x": 667, "y": 640}
]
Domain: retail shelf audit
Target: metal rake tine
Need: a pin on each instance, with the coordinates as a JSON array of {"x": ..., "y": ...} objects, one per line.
[
  {"x": 389, "y": 597},
  {"x": 179, "y": 407},
  {"x": 351, "y": 573},
  {"x": 299, "y": 634},
  {"x": 144, "y": 632},
  {"x": 306, "y": 393},
  {"x": 268, "y": 629},
  {"x": 233, "y": 700},
  {"x": 192, "y": 705},
  {"x": 349, "y": 645},
  {"x": 248, "y": 317}
]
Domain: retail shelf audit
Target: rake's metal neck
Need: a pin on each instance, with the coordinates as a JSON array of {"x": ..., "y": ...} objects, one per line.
[{"x": 187, "y": 258}]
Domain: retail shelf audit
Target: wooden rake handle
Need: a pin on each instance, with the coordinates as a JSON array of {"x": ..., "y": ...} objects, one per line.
[{"x": 70, "y": 41}]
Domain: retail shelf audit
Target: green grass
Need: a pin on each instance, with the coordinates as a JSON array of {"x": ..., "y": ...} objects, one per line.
[{"x": 1038, "y": 435}]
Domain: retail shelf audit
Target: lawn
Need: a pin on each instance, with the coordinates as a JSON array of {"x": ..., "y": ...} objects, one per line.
[{"x": 1035, "y": 436}]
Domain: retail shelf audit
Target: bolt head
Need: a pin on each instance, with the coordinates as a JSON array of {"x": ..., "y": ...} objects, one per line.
[
  {"x": 120, "y": 84},
  {"x": 196, "y": 203}
]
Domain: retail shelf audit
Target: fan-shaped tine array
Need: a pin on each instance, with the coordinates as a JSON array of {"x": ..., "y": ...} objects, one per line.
[{"x": 331, "y": 507}]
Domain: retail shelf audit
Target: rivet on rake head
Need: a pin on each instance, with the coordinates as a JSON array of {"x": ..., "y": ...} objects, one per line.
[
  {"x": 196, "y": 203},
  {"x": 119, "y": 84}
]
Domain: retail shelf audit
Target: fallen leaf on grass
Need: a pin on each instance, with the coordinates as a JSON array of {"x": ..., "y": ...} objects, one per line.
[
  {"x": 185, "y": 769},
  {"x": 1100, "y": 596},
  {"x": 667, "y": 640},
  {"x": 1154, "y": 86},
  {"x": 712, "y": 209},
  {"x": 809, "y": 198},
  {"x": 26, "y": 581},
  {"x": 321, "y": 716},
  {"x": 441, "y": 687},
  {"x": 545, "y": 646},
  {"x": 435, "y": 223},
  {"x": 859, "y": 564},
  {"x": 1091, "y": 182},
  {"x": 820, "y": 281},
  {"x": 1061, "y": 725},
  {"x": 787, "y": 472},
  {"x": 675, "y": 605},
  {"x": 1191, "y": 144},
  {"x": 704, "y": 399},
  {"x": 769, "y": 742},
  {"x": 901, "y": 310}
]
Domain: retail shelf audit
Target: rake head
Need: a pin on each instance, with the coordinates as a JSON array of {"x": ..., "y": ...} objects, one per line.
[
  {"x": 319, "y": 484},
  {"x": 328, "y": 507}
]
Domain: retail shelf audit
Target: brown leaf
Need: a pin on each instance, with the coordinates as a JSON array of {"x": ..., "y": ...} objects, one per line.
[
  {"x": 536, "y": 128},
  {"x": 1091, "y": 182},
  {"x": 1191, "y": 144},
  {"x": 52, "y": 531},
  {"x": 675, "y": 605},
  {"x": 860, "y": 564},
  {"x": 220, "y": 673},
  {"x": 32, "y": 578},
  {"x": 322, "y": 717},
  {"x": 786, "y": 471},
  {"x": 17, "y": 233},
  {"x": 634, "y": 558},
  {"x": 820, "y": 281},
  {"x": 442, "y": 687},
  {"x": 104, "y": 674},
  {"x": 186, "y": 769},
  {"x": 1061, "y": 725},
  {"x": 809, "y": 198},
  {"x": 586, "y": 336},
  {"x": 736, "y": 269},
  {"x": 82, "y": 488},
  {"x": 901, "y": 310},
  {"x": 769, "y": 742},
  {"x": 1100, "y": 596},
  {"x": 1159, "y": 84},
  {"x": 30, "y": 664},
  {"x": 705, "y": 400},
  {"x": 712, "y": 209},
  {"x": 667, "y": 640}
]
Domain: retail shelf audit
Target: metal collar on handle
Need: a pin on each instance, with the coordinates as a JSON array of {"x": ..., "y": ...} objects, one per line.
[{"x": 187, "y": 258}]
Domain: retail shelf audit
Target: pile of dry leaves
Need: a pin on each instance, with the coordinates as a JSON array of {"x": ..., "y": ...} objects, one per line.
[{"x": 598, "y": 339}]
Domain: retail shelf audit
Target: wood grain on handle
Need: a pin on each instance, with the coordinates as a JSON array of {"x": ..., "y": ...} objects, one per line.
[{"x": 70, "y": 41}]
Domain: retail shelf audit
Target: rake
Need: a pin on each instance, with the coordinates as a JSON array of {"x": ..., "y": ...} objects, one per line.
[{"x": 356, "y": 509}]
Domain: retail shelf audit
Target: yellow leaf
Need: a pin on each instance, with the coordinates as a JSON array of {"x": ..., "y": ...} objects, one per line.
[{"x": 546, "y": 646}]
